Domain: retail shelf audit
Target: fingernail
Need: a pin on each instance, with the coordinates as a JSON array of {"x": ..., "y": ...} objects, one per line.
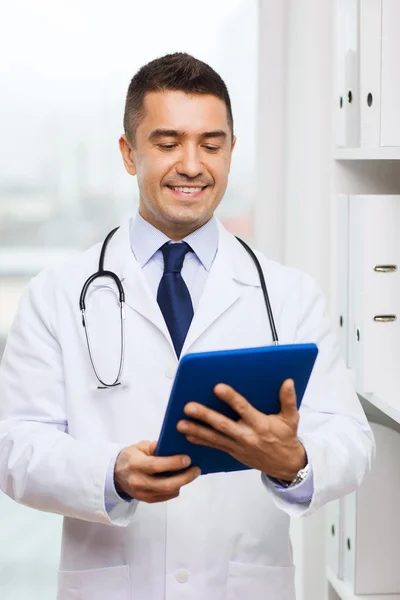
[{"x": 186, "y": 461}]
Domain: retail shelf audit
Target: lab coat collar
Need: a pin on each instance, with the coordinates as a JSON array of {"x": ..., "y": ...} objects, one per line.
[
  {"x": 239, "y": 263},
  {"x": 231, "y": 269},
  {"x": 138, "y": 296},
  {"x": 145, "y": 240}
]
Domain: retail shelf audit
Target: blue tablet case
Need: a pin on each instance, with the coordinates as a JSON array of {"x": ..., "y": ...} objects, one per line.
[{"x": 256, "y": 373}]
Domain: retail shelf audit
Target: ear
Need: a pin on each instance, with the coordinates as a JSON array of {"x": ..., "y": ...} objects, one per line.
[
  {"x": 232, "y": 148},
  {"x": 127, "y": 154}
]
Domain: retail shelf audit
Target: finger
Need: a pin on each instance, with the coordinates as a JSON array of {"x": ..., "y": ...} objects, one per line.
[
  {"x": 165, "y": 486},
  {"x": 209, "y": 436},
  {"x": 201, "y": 442},
  {"x": 239, "y": 404},
  {"x": 152, "y": 498},
  {"x": 212, "y": 418},
  {"x": 288, "y": 399},
  {"x": 159, "y": 464}
]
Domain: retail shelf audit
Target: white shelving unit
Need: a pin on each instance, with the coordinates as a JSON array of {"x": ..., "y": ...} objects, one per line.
[
  {"x": 366, "y": 121},
  {"x": 337, "y": 589},
  {"x": 367, "y": 153},
  {"x": 305, "y": 168},
  {"x": 365, "y": 162},
  {"x": 384, "y": 404}
]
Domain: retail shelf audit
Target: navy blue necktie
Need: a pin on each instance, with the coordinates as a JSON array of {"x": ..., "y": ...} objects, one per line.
[{"x": 173, "y": 296}]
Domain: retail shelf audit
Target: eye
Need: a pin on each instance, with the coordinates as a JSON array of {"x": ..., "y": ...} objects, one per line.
[
  {"x": 166, "y": 146},
  {"x": 211, "y": 148}
]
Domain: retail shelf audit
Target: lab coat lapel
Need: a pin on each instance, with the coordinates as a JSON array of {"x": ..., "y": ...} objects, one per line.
[
  {"x": 138, "y": 295},
  {"x": 230, "y": 273},
  {"x": 231, "y": 269}
]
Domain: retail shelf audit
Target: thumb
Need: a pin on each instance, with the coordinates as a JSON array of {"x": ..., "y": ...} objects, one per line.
[
  {"x": 147, "y": 447},
  {"x": 152, "y": 448},
  {"x": 288, "y": 398}
]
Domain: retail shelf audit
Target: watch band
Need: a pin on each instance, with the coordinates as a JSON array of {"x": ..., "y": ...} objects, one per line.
[{"x": 299, "y": 478}]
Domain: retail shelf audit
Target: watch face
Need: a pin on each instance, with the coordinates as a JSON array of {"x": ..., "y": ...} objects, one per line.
[{"x": 301, "y": 475}]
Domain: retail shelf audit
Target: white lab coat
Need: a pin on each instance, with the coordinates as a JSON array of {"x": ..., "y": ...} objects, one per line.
[{"x": 227, "y": 536}]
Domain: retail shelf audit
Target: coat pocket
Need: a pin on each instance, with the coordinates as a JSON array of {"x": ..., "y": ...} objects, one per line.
[
  {"x": 94, "y": 584},
  {"x": 259, "y": 582}
]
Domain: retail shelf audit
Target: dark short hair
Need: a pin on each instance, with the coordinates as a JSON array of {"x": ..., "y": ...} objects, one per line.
[{"x": 176, "y": 72}]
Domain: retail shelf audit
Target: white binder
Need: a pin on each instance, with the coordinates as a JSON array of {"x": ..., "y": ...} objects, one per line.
[
  {"x": 334, "y": 537},
  {"x": 371, "y": 540},
  {"x": 375, "y": 292},
  {"x": 390, "y": 132},
  {"x": 370, "y": 72},
  {"x": 348, "y": 73},
  {"x": 342, "y": 276},
  {"x": 340, "y": 82},
  {"x": 352, "y": 74}
]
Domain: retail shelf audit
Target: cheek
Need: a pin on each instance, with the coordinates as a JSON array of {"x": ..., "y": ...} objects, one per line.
[
  {"x": 155, "y": 170},
  {"x": 150, "y": 172},
  {"x": 219, "y": 169},
  {"x": 220, "y": 175}
]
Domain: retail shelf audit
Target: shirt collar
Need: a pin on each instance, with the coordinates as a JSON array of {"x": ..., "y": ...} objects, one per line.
[{"x": 146, "y": 240}]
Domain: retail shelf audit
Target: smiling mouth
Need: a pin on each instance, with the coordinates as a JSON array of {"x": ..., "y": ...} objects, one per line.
[{"x": 189, "y": 191}]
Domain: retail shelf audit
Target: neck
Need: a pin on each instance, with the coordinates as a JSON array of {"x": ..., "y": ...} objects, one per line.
[{"x": 175, "y": 231}]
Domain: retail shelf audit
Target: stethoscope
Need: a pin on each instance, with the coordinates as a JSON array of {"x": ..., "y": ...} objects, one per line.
[{"x": 121, "y": 296}]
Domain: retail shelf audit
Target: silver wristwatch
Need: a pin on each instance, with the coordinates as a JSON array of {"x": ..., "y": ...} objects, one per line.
[{"x": 300, "y": 476}]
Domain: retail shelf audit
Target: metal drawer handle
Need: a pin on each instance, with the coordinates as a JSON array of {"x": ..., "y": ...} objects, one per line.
[
  {"x": 385, "y": 268},
  {"x": 385, "y": 318}
]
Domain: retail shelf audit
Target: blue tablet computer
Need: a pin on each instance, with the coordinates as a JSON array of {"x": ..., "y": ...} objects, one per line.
[{"x": 256, "y": 373}]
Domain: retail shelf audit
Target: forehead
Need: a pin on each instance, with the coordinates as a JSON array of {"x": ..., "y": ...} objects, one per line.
[{"x": 191, "y": 113}]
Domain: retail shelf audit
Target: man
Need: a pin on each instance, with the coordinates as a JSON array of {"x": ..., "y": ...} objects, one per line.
[{"x": 68, "y": 447}]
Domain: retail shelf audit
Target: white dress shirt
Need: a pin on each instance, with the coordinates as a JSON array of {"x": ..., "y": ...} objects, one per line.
[{"x": 146, "y": 242}]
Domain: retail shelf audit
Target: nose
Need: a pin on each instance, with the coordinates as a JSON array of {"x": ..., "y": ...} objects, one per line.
[{"x": 189, "y": 163}]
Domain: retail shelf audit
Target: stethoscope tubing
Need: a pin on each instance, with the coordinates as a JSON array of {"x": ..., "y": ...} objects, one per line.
[{"x": 121, "y": 296}]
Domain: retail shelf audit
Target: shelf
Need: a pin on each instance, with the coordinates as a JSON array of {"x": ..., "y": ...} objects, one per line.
[
  {"x": 367, "y": 153},
  {"x": 384, "y": 406},
  {"x": 346, "y": 594}
]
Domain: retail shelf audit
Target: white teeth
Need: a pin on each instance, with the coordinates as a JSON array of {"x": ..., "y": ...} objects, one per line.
[{"x": 188, "y": 190}]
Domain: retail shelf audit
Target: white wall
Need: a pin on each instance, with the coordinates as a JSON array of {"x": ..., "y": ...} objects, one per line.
[
  {"x": 308, "y": 137},
  {"x": 269, "y": 225},
  {"x": 294, "y": 181}
]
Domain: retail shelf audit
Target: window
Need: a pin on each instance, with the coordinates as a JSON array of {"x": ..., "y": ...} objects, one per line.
[{"x": 65, "y": 68}]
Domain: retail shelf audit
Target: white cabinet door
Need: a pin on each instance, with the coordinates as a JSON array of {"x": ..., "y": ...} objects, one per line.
[
  {"x": 390, "y": 132},
  {"x": 371, "y": 540}
]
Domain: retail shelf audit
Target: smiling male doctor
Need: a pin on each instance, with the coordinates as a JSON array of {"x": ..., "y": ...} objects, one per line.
[{"x": 69, "y": 448}]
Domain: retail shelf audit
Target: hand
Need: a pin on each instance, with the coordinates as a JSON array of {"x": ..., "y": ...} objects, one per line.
[
  {"x": 136, "y": 469},
  {"x": 268, "y": 443}
]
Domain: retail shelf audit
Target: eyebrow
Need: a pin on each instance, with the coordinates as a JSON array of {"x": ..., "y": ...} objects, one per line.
[{"x": 157, "y": 133}]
